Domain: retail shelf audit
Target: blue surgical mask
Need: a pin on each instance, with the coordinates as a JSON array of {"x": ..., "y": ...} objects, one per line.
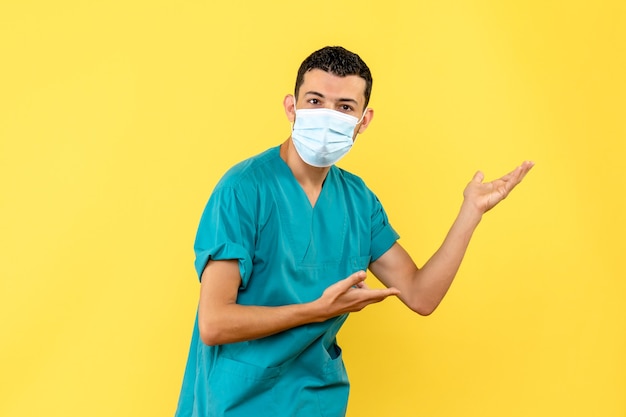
[{"x": 323, "y": 136}]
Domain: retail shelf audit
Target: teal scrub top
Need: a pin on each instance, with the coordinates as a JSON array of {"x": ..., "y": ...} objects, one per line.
[{"x": 289, "y": 252}]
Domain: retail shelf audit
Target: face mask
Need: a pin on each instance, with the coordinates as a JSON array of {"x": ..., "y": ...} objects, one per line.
[{"x": 323, "y": 136}]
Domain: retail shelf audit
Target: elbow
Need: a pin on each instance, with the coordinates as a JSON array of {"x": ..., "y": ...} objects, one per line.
[
  {"x": 209, "y": 338},
  {"x": 210, "y": 333},
  {"x": 422, "y": 307},
  {"x": 424, "y": 311}
]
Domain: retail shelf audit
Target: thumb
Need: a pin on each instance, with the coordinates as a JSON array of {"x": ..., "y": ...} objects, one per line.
[
  {"x": 354, "y": 279},
  {"x": 478, "y": 177}
]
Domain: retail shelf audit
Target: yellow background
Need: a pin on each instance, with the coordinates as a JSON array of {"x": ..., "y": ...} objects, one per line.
[{"x": 117, "y": 118}]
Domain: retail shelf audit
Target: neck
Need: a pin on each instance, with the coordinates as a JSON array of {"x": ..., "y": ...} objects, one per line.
[{"x": 310, "y": 178}]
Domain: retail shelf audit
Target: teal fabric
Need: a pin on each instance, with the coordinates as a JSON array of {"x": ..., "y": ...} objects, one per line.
[{"x": 288, "y": 252}]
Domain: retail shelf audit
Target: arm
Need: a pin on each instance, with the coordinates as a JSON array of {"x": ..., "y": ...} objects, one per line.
[
  {"x": 423, "y": 289},
  {"x": 221, "y": 320}
]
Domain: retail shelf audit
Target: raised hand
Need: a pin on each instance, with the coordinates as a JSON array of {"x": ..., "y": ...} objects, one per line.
[{"x": 485, "y": 195}]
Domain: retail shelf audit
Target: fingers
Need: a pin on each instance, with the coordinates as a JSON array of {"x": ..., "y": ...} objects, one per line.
[
  {"x": 526, "y": 166},
  {"x": 361, "y": 298},
  {"x": 362, "y": 285},
  {"x": 517, "y": 175},
  {"x": 514, "y": 177},
  {"x": 357, "y": 281},
  {"x": 387, "y": 292},
  {"x": 378, "y": 294},
  {"x": 354, "y": 280},
  {"x": 352, "y": 295}
]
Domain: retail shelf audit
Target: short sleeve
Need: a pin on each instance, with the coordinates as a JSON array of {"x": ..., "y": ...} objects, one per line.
[
  {"x": 226, "y": 231},
  {"x": 383, "y": 235}
]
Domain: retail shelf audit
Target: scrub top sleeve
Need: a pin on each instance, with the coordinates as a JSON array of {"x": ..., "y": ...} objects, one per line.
[
  {"x": 226, "y": 231},
  {"x": 383, "y": 235}
]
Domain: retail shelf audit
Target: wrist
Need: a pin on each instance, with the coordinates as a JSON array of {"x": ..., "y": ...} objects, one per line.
[
  {"x": 470, "y": 213},
  {"x": 316, "y": 311}
]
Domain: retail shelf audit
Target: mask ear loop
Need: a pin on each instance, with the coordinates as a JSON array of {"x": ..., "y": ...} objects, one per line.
[
  {"x": 294, "y": 113},
  {"x": 362, "y": 116},
  {"x": 360, "y": 120}
]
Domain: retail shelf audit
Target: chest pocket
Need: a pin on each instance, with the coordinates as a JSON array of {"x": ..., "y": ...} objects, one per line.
[{"x": 326, "y": 238}]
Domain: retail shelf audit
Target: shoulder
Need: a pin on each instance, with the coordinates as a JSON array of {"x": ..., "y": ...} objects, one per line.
[
  {"x": 351, "y": 182},
  {"x": 348, "y": 177},
  {"x": 251, "y": 171},
  {"x": 355, "y": 191},
  {"x": 236, "y": 194},
  {"x": 241, "y": 184}
]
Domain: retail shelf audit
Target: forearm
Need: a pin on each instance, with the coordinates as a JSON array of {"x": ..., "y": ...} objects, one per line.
[
  {"x": 423, "y": 289},
  {"x": 234, "y": 322},
  {"x": 221, "y": 320},
  {"x": 432, "y": 281}
]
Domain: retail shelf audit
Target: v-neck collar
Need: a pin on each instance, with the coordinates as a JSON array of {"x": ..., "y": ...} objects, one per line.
[{"x": 296, "y": 183}]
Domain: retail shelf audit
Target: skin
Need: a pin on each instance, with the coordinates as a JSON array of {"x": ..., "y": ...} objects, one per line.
[{"x": 222, "y": 320}]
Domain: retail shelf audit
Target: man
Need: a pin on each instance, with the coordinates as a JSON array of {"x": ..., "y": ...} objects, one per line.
[{"x": 282, "y": 249}]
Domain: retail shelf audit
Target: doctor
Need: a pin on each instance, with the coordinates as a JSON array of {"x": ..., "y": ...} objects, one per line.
[{"x": 281, "y": 252}]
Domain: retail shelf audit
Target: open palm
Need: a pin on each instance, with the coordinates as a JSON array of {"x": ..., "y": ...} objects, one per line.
[{"x": 485, "y": 195}]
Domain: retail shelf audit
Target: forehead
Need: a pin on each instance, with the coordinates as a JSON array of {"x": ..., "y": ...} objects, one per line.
[{"x": 333, "y": 86}]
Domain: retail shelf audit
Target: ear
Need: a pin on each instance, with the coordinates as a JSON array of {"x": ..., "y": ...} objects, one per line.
[
  {"x": 367, "y": 119},
  {"x": 289, "y": 103}
]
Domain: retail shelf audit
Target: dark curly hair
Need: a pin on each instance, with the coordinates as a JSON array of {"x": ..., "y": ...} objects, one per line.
[{"x": 338, "y": 61}]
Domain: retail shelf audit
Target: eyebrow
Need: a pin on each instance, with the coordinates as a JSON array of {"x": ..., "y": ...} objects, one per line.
[{"x": 320, "y": 95}]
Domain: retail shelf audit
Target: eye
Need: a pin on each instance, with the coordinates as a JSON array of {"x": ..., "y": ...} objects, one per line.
[
  {"x": 314, "y": 101},
  {"x": 346, "y": 108}
]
